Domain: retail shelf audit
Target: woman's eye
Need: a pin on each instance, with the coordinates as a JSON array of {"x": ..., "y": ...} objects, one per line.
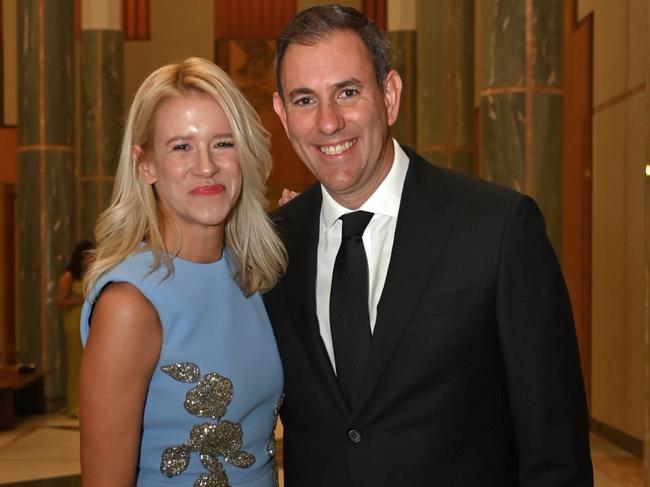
[
  {"x": 181, "y": 147},
  {"x": 224, "y": 144}
]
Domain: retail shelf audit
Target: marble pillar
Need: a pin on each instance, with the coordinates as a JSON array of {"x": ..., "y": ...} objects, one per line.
[
  {"x": 402, "y": 35},
  {"x": 521, "y": 101},
  {"x": 45, "y": 181},
  {"x": 445, "y": 82},
  {"x": 102, "y": 107}
]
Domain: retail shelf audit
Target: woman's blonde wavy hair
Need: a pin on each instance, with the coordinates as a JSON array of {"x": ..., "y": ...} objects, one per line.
[{"x": 134, "y": 214}]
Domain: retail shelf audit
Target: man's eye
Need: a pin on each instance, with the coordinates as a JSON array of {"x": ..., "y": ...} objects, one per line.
[
  {"x": 304, "y": 101},
  {"x": 349, "y": 92},
  {"x": 181, "y": 147}
]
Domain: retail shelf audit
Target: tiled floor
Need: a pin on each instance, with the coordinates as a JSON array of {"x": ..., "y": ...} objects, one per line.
[
  {"x": 40, "y": 447},
  {"x": 43, "y": 451}
]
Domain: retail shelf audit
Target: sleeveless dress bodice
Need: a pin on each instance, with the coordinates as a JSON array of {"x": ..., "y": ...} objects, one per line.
[{"x": 212, "y": 402}]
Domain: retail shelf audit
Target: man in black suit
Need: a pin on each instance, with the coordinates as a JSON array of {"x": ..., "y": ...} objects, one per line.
[{"x": 433, "y": 344}]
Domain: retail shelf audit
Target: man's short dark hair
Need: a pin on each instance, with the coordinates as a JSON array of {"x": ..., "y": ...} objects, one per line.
[{"x": 316, "y": 23}]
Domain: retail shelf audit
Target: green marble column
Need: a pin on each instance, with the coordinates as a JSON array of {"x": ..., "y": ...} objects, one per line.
[
  {"x": 521, "y": 115},
  {"x": 45, "y": 186},
  {"x": 102, "y": 107},
  {"x": 445, "y": 82}
]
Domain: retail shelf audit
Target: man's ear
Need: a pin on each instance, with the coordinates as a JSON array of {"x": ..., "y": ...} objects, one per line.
[
  {"x": 146, "y": 168},
  {"x": 392, "y": 94},
  {"x": 278, "y": 106}
]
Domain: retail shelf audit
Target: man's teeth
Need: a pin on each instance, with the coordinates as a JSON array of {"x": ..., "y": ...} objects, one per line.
[{"x": 333, "y": 150}]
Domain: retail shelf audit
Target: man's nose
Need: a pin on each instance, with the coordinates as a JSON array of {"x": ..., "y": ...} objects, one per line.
[{"x": 330, "y": 118}]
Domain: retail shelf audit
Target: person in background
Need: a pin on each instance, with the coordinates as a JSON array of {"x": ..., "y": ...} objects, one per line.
[
  {"x": 424, "y": 325},
  {"x": 181, "y": 378},
  {"x": 69, "y": 296}
]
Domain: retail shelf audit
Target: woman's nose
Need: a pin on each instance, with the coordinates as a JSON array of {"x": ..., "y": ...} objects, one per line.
[{"x": 206, "y": 165}]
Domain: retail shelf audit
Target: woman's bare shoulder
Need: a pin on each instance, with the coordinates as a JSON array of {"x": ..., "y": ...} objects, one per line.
[{"x": 121, "y": 304}]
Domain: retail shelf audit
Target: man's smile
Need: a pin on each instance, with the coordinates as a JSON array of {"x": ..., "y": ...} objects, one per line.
[{"x": 337, "y": 149}]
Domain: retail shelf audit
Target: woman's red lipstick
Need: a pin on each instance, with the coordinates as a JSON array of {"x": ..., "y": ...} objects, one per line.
[{"x": 209, "y": 190}]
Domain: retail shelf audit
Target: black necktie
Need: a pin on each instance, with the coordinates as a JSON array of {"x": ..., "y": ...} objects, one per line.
[{"x": 349, "y": 318}]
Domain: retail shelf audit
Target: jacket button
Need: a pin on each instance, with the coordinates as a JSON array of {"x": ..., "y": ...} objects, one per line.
[{"x": 355, "y": 436}]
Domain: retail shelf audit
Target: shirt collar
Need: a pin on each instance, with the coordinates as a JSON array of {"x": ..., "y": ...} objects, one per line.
[{"x": 386, "y": 198}]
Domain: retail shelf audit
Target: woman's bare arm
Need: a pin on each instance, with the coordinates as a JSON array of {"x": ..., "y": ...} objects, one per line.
[{"x": 120, "y": 356}]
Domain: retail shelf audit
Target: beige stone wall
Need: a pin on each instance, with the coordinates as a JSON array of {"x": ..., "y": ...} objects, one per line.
[
  {"x": 401, "y": 14},
  {"x": 178, "y": 30},
  {"x": 101, "y": 14},
  {"x": 618, "y": 213}
]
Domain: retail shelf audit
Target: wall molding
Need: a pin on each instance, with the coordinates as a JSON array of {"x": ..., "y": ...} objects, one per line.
[
  {"x": 615, "y": 100},
  {"x": 617, "y": 437}
]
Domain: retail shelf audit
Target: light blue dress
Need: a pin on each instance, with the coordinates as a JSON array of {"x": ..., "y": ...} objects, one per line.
[{"x": 213, "y": 399}]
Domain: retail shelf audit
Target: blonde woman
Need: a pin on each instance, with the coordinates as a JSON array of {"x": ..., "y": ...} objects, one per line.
[{"x": 181, "y": 378}]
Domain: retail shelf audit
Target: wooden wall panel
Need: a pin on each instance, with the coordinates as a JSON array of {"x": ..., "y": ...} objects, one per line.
[
  {"x": 376, "y": 10},
  {"x": 8, "y": 155},
  {"x": 251, "y": 19},
  {"x": 8, "y": 174},
  {"x": 77, "y": 19},
  {"x": 7, "y": 276},
  {"x": 136, "y": 20},
  {"x": 576, "y": 226}
]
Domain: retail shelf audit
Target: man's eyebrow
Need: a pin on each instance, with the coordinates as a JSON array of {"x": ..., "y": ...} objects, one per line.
[
  {"x": 337, "y": 86},
  {"x": 348, "y": 82},
  {"x": 300, "y": 91}
]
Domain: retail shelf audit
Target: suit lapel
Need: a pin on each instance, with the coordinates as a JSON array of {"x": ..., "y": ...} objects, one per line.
[
  {"x": 301, "y": 286},
  {"x": 423, "y": 226}
]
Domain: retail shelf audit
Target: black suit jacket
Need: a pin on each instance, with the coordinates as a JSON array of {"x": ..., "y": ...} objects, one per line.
[{"x": 473, "y": 376}]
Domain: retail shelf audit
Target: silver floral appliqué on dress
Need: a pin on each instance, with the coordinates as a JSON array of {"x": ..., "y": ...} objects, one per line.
[
  {"x": 208, "y": 399},
  {"x": 270, "y": 447}
]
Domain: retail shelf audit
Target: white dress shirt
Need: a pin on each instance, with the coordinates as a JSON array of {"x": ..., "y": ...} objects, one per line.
[{"x": 377, "y": 240}]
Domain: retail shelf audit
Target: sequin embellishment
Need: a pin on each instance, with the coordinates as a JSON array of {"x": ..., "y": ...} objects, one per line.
[
  {"x": 208, "y": 399},
  {"x": 183, "y": 372},
  {"x": 270, "y": 447}
]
